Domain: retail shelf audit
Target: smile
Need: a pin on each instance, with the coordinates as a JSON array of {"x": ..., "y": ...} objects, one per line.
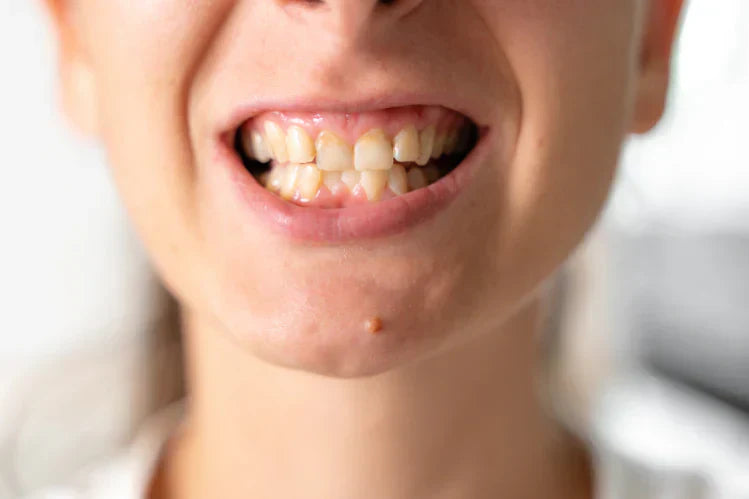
[{"x": 333, "y": 176}]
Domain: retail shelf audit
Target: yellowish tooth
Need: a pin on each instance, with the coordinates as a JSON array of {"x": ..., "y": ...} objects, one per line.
[
  {"x": 431, "y": 173},
  {"x": 416, "y": 179},
  {"x": 398, "y": 180},
  {"x": 426, "y": 142},
  {"x": 373, "y": 151},
  {"x": 406, "y": 145},
  {"x": 277, "y": 141},
  {"x": 290, "y": 181},
  {"x": 350, "y": 178},
  {"x": 439, "y": 145},
  {"x": 450, "y": 142},
  {"x": 275, "y": 179},
  {"x": 299, "y": 145},
  {"x": 309, "y": 181},
  {"x": 331, "y": 179},
  {"x": 255, "y": 146},
  {"x": 333, "y": 154},
  {"x": 373, "y": 182}
]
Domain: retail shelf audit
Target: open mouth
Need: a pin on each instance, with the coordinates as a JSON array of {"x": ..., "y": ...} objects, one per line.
[{"x": 336, "y": 160}]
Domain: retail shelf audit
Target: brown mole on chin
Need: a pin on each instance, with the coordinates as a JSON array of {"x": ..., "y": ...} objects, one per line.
[{"x": 373, "y": 325}]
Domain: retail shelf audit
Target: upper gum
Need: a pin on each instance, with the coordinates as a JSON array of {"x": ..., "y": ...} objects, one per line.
[{"x": 350, "y": 127}]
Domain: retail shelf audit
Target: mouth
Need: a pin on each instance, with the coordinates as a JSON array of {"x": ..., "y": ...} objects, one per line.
[
  {"x": 337, "y": 176},
  {"x": 337, "y": 160}
]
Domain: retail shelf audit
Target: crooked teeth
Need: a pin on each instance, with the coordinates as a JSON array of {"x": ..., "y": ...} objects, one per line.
[
  {"x": 350, "y": 178},
  {"x": 309, "y": 181},
  {"x": 373, "y": 151},
  {"x": 333, "y": 154},
  {"x": 299, "y": 145},
  {"x": 331, "y": 179},
  {"x": 426, "y": 143},
  {"x": 289, "y": 181},
  {"x": 277, "y": 141},
  {"x": 406, "y": 145},
  {"x": 374, "y": 182},
  {"x": 398, "y": 180}
]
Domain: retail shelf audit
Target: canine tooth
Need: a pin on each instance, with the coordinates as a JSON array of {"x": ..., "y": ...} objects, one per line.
[
  {"x": 373, "y": 182},
  {"x": 439, "y": 145},
  {"x": 406, "y": 145},
  {"x": 350, "y": 178},
  {"x": 373, "y": 151},
  {"x": 255, "y": 146},
  {"x": 416, "y": 179},
  {"x": 432, "y": 174},
  {"x": 398, "y": 180},
  {"x": 333, "y": 154},
  {"x": 290, "y": 180},
  {"x": 309, "y": 181},
  {"x": 331, "y": 179},
  {"x": 275, "y": 178},
  {"x": 277, "y": 141},
  {"x": 426, "y": 142},
  {"x": 299, "y": 145}
]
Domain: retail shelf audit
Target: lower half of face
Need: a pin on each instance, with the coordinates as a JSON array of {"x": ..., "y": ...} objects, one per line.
[{"x": 346, "y": 188}]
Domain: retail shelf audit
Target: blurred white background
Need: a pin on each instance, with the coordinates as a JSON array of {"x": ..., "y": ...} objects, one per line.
[{"x": 668, "y": 291}]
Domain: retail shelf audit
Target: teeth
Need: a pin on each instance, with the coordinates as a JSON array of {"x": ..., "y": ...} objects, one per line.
[
  {"x": 398, "y": 180},
  {"x": 277, "y": 141},
  {"x": 309, "y": 181},
  {"x": 432, "y": 174},
  {"x": 289, "y": 181},
  {"x": 373, "y": 182},
  {"x": 416, "y": 179},
  {"x": 299, "y": 145},
  {"x": 255, "y": 146},
  {"x": 406, "y": 145},
  {"x": 350, "y": 178},
  {"x": 439, "y": 145},
  {"x": 426, "y": 142},
  {"x": 331, "y": 179},
  {"x": 333, "y": 154},
  {"x": 275, "y": 178},
  {"x": 451, "y": 141},
  {"x": 373, "y": 151}
]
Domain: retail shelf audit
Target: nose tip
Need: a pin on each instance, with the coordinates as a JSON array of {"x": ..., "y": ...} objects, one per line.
[{"x": 351, "y": 17}]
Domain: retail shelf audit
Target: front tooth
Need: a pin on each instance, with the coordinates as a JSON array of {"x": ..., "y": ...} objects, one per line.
[
  {"x": 277, "y": 141},
  {"x": 331, "y": 179},
  {"x": 373, "y": 182},
  {"x": 289, "y": 182},
  {"x": 439, "y": 145},
  {"x": 350, "y": 178},
  {"x": 255, "y": 146},
  {"x": 406, "y": 145},
  {"x": 426, "y": 142},
  {"x": 333, "y": 154},
  {"x": 309, "y": 181},
  {"x": 373, "y": 151},
  {"x": 398, "y": 180},
  {"x": 416, "y": 179},
  {"x": 299, "y": 145}
]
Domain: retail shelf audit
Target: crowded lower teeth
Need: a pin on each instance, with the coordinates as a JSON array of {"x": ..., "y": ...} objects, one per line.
[{"x": 329, "y": 170}]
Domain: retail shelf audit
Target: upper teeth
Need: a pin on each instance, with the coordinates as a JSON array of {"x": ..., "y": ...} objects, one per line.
[{"x": 372, "y": 151}]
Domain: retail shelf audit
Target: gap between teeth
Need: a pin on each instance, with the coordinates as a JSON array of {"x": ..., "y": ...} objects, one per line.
[{"x": 302, "y": 165}]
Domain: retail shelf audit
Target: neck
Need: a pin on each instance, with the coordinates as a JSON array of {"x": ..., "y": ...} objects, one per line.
[{"x": 464, "y": 424}]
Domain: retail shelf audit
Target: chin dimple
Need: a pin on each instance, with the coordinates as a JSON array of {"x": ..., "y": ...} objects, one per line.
[{"x": 320, "y": 168}]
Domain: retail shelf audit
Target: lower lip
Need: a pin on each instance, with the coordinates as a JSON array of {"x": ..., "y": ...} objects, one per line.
[{"x": 364, "y": 221}]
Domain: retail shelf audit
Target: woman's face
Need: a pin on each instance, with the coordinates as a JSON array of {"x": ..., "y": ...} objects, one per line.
[{"x": 548, "y": 86}]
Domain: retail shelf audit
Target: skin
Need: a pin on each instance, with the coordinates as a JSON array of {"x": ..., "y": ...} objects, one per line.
[{"x": 560, "y": 85}]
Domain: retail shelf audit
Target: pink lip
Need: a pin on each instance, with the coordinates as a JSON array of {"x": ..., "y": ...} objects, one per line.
[{"x": 355, "y": 222}]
